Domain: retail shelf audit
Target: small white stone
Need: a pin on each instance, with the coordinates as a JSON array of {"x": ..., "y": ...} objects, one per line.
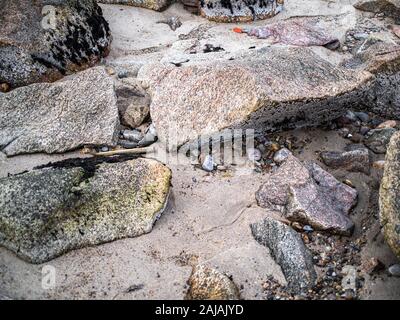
[{"x": 253, "y": 154}]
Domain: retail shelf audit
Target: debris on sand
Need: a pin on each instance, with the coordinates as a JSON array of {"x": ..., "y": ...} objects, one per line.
[{"x": 302, "y": 32}]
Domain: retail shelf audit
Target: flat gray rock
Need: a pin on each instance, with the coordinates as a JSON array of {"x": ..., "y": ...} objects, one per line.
[
  {"x": 43, "y": 40},
  {"x": 309, "y": 195},
  {"x": 289, "y": 252},
  {"x": 54, "y": 118},
  {"x": 389, "y": 199},
  {"x": 48, "y": 212}
]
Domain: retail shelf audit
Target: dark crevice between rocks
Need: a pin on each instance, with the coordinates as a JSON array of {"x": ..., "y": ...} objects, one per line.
[{"x": 89, "y": 165}]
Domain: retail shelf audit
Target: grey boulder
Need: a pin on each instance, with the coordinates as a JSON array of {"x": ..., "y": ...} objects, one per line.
[
  {"x": 289, "y": 251},
  {"x": 48, "y": 212},
  {"x": 352, "y": 160},
  {"x": 61, "y": 116},
  {"x": 378, "y": 139}
]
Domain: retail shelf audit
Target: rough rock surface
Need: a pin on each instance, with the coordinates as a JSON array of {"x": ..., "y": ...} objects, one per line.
[
  {"x": 378, "y": 139},
  {"x": 44, "y": 40},
  {"x": 47, "y": 212},
  {"x": 157, "y": 5},
  {"x": 353, "y": 160},
  {"x": 309, "y": 195},
  {"x": 60, "y": 116},
  {"x": 289, "y": 252},
  {"x": 390, "y": 8},
  {"x": 239, "y": 10},
  {"x": 270, "y": 88},
  {"x": 133, "y": 103},
  {"x": 389, "y": 199},
  {"x": 209, "y": 284}
]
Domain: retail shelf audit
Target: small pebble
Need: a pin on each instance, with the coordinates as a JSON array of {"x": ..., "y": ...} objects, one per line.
[
  {"x": 132, "y": 135},
  {"x": 128, "y": 144},
  {"x": 123, "y": 74},
  {"x": 394, "y": 270},
  {"x": 253, "y": 154},
  {"x": 363, "y": 116},
  {"x": 308, "y": 228},
  {"x": 364, "y": 130},
  {"x": 104, "y": 149},
  {"x": 380, "y": 164},
  {"x": 281, "y": 155},
  {"x": 208, "y": 163}
]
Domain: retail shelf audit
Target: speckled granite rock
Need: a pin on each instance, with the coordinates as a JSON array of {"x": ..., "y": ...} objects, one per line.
[
  {"x": 133, "y": 102},
  {"x": 353, "y": 160},
  {"x": 310, "y": 195},
  {"x": 271, "y": 88},
  {"x": 239, "y": 10},
  {"x": 157, "y": 5},
  {"x": 46, "y": 39},
  {"x": 61, "y": 116},
  {"x": 289, "y": 252},
  {"x": 209, "y": 284},
  {"x": 378, "y": 139},
  {"x": 48, "y": 212},
  {"x": 389, "y": 196}
]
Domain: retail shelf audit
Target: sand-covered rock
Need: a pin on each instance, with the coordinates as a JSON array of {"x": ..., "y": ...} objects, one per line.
[
  {"x": 44, "y": 40},
  {"x": 157, "y": 5},
  {"x": 61, "y": 116},
  {"x": 389, "y": 197},
  {"x": 239, "y": 10},
  {"x": 48, "y": 212},
  {"x": 206, "y": 283},
  {"x": 310, "y": 195},
  {"x": 289, "y": 252}
]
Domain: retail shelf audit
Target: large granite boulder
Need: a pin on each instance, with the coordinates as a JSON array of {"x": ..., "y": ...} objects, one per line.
[
  {"x": 289, "y": 252},
  {"x": 309, "y": 195},
  {"x": 45, "y": 39},
  {"x": 61, "y": 116},
  {"x": 157, "y": 5},
  {"x": 47, "y": 212},
  {"x": 389, "y": 197},
  {"x": 271, "y": 88},
  {"x": 239, "y": 10}
]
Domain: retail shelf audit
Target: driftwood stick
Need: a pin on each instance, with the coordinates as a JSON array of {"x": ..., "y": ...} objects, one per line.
[{"x": 123, "y": 151}]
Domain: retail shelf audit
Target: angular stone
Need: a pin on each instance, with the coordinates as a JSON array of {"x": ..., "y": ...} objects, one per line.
[
  {"x": 209, "y": 284},
  {"x": 48, "y": 212},
  {"x": 239, "y": 10},
  {"x": 391, "y": 8},
  {"x": 270, "y": 89},
  {"x": 354, "y": 160},
  {"x": 133, "y": 103},
  {"x": 389, "y": 200},
  {"x": 61, "y": 116},
  {"x": 157, "y": 5},
  {"x": 378, "y": 139},
  {"x": 289, "y": 252},
  {"x": 41, "y": 41},
  {"x": 310, "y": 195}
]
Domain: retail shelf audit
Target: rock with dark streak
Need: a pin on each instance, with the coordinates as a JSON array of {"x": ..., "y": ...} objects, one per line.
[{"x": 41, "y": 41}]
